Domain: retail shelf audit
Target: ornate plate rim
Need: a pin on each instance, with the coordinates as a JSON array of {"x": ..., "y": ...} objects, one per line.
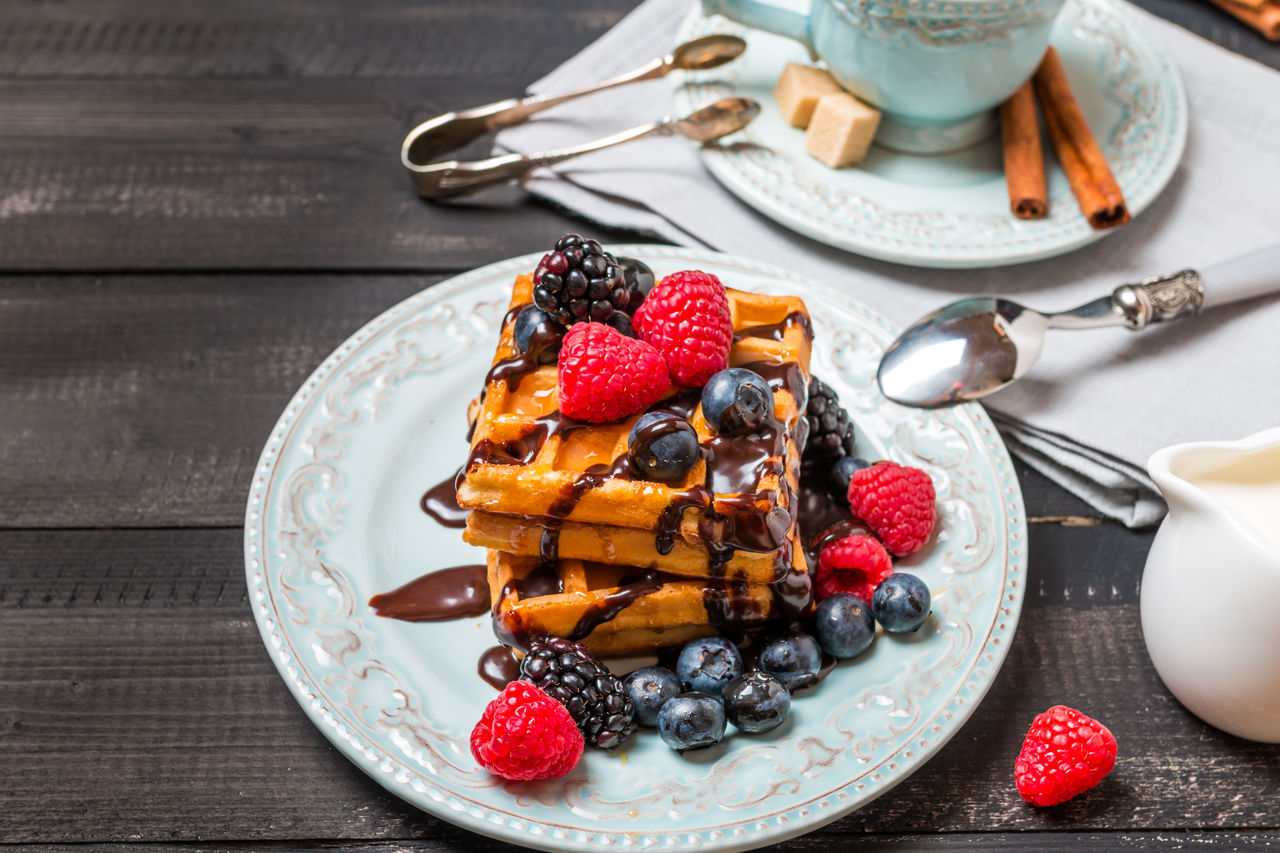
[
  {"x": 1055, "y": 237},
  {"x": 738, "y": 834}
]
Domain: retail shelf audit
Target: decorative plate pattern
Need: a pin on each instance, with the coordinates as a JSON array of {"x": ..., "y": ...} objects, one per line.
[
  {"x": 333, "y": 519},
  {"x": 950, "y": 210}
]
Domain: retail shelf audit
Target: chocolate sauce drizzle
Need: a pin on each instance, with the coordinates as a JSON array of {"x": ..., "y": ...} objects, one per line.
[
  {"x": 515, "y": 367},
  {"x": 776, "y": 331}
]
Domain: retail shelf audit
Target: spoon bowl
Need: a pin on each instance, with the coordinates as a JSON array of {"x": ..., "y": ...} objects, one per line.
[
  {"x": 702, "y": 54},
  {"x": 961, "y": 352},
  {"x": 725, "y": 116}
]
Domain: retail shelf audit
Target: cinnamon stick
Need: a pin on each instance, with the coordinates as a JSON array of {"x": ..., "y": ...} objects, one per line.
[
  {"x": 1263, "y": 17},
  {"x": 1095, "y": 188},
  {"x": 1023, "y": 156}
]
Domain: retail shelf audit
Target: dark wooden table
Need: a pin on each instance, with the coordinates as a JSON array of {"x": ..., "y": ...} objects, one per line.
[{"x": 199, "y": 201}]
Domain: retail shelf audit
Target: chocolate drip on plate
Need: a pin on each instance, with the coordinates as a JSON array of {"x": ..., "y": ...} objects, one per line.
[
  {"x": 498, "y": 667},
  {"x": 441, "y": 502},
  {"x": 455, "y": 593}
]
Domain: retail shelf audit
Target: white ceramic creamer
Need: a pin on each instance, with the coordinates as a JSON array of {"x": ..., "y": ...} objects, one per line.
[{"x": 1211, "y": 587}]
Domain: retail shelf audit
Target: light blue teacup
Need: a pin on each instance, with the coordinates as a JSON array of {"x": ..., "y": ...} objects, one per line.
[{"x": 935, "y": 68}]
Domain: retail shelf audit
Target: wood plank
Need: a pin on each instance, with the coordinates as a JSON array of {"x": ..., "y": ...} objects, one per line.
[
  {"x": 303, "y": 38},
  {"x": 1030, "y": 842},
  {"x": 233, "y": 174},
  {"x": 132, "y": 655},
  {"x": 144, "y": 401}
]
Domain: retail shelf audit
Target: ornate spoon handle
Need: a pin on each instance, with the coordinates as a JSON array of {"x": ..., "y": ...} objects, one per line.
[{"x": 1187, "y": 293}]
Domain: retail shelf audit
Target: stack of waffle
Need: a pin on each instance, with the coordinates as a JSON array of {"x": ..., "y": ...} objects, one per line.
[{"x": 580, "y": 546}]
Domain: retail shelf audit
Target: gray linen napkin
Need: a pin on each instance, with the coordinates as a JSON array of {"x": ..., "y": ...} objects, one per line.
[{"x": 1100, "y": 402}]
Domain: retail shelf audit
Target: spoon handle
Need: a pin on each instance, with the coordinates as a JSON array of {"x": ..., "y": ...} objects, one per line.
[
  {"x": 1184, "y": 294},
  {"x": 457, "y": 178},
  {"x": 1244, "y": 277}
]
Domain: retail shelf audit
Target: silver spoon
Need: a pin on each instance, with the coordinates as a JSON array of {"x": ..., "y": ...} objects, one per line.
[
  {"x": 452, "y": 130},
  {"x": 455, "y": 178},
  {"x": 976, "y": 346}
]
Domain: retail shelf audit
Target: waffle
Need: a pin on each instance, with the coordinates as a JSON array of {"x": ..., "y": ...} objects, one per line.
[
  {"x": 529, "y": 462},
  {"x": 629, "y": 546},
  {"x": 618, "y": 610}
]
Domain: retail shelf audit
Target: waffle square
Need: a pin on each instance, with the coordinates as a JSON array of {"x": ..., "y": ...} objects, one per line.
[
  {"x": 528, "y": 461},
  {"x": 615, "y": 610}
]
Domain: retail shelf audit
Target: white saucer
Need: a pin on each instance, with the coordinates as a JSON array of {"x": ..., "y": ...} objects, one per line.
[{"x": 949, "y": 210}]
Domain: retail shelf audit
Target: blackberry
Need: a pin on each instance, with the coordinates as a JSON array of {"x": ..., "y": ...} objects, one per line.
[
  {"x": 580, "y": 281},
  {"x": 594, "y": 697},
  {"x": 830, "y": 430}
]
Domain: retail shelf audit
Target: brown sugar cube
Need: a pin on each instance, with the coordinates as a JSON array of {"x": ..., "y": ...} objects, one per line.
[
  {"x": 798, "y": 91},
  {"x": 841, "y": 130}
]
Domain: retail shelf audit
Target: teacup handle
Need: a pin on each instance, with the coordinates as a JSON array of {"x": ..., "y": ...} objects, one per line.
[{"x": 763, "y": 15}]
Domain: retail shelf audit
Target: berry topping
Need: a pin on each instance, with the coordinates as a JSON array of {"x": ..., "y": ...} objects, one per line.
[
  {"x": 536, "y": 329},
  {"x": 830, "y": 430},
  {"x": 757, "y": 702},
  {"x": 649, "y": 688},
  {"x": 525, "y": 734},
  {"x": 639, "y": 278},
  {"x": 854, "y": 564},
  {"x": 897, "y": 502},
  {"x": 691, "y": 721},
  {"x": 579, "y": 281},
  {"x": 708, "y": 664},
  {"x": 844, "y": 626},
  {"x": 842, "y": 472},
  {"x": 606, "y": 376},
  {"x": 901, "y": 602},
  {"x": 1065, "y": 753},
  {"x": 594, "y": 697},
  {"x": 663, "y": 447},
  {"x": 686, "y": 316},
  {"x": 794, "y": 659},
  {"x": 737, "y": 402}
]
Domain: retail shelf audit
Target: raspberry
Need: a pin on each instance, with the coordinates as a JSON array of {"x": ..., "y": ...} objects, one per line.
[
  {"x": 1065, "y": 753},
  {"x": 897, "y": 503},
  {"x": 686, "y": 316},
  {"x": 854, "y": 564},
  {"x": 525, "y": 734},
  {"x": 606, "y": 376}
]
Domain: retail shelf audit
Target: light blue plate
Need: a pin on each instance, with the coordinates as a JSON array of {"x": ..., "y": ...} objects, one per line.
[
  {"x": 949, "y": 210},
  {"x": 333, "y": 518}
]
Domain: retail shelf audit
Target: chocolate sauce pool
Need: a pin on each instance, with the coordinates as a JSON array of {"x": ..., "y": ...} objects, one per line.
[
  {"x": 456, "y": 593},
  {"x": 441, "y": 502},
  {"x": 498, "y": 667}
]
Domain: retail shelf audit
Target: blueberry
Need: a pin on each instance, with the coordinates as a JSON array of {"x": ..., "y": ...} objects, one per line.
[
  {"x": 737, "y": 401},
  {"x": 534, "y": 327},
  {"x": 639, "y": 278},
  {"x": 794, "y": 659},
  {"x": 622, "y": 323},
  {"x": 649, "y": 688},
  {"x": 901, "y": 602},
  {"x": 757, "y": 702},
  {"x": 708, "y": 664},
  {"x": 662, "y": 447},
  {"x": 842, "y": 472},
  {"x": 691, "y": 721},
  {"x": 844, "y": 626}
]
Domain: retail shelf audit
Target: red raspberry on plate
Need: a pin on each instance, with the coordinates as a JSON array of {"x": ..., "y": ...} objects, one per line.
[
  {"x": 897, "y": 503},
  {"x": 1065, "y": 753},
  {"x": 854, "y": 564},
  {"x": 525, "y": 734},
  {"x": 686, "y": 316},
  {"x": 606, "y": 376}
]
